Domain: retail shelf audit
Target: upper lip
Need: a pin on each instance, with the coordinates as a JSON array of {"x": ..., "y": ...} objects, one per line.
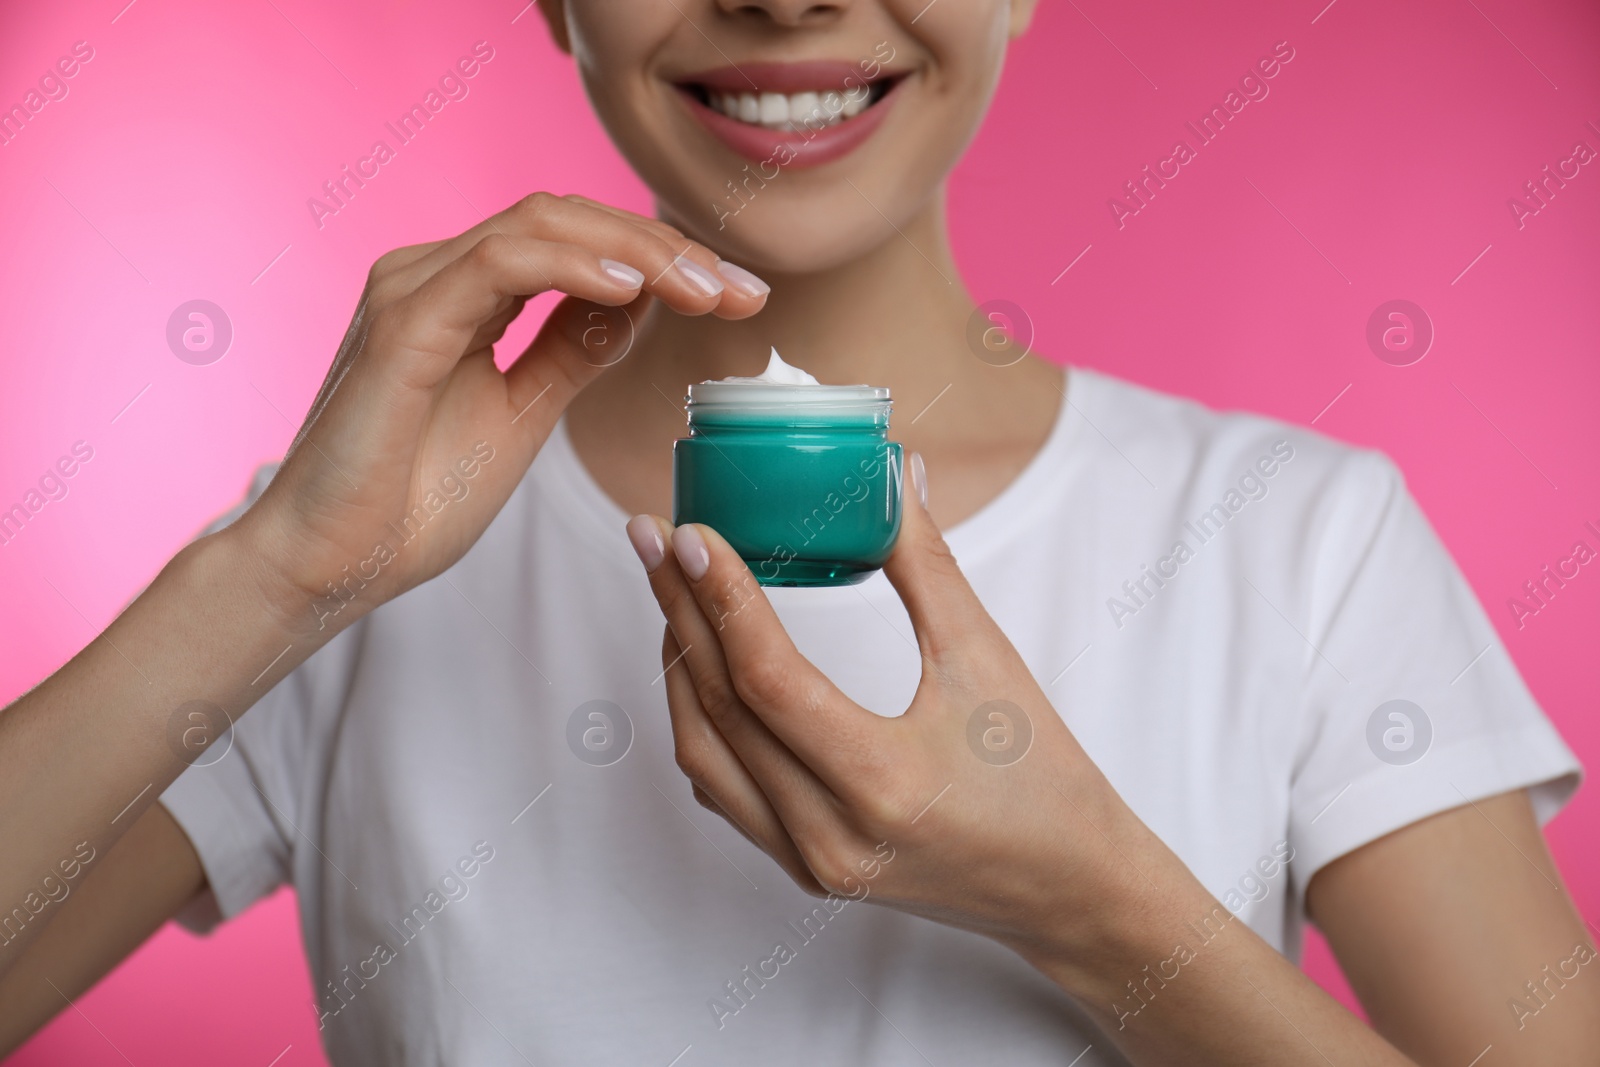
[{"x": 812, "y": 75}]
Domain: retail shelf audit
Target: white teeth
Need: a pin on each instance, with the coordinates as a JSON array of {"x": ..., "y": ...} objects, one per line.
[
  {"x": 803, "y": 106},
  {"x": 774, "y": 109},
  {"x": 791, "y": 112}
]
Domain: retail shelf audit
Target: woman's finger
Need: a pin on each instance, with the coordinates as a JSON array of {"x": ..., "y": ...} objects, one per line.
[
  {"x": 397, "y": 260},
  {"x": 740, "y": 280},
  {"x": 703, "y": 587},
  {"x": 944, "y": 610},
  {"x": 683, "y": 273},
  {"x": 409, "y": 349},
  {"x": 721, "y": 782},
  {"x": 426, "y": 333},
  {"x": 665, "y": 230},
  {"x": 738, "y": 277},
  {"x": 782, "y": 774},
  {"x": 745, "y": 294}
]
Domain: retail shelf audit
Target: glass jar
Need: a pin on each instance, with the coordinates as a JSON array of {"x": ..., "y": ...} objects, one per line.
[{"x": 802, "y": 480}]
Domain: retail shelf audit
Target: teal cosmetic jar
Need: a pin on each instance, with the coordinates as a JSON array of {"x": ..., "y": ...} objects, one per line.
[{"x": 802, "y": 480}]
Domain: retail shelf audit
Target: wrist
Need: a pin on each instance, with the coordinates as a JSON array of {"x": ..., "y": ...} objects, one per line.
[
  {"x": 213, "y": 626},
  {"x": 1139, "y": 902},
  {"x": 246, "y": 558},
  {"x": 1123, "y": 944}
]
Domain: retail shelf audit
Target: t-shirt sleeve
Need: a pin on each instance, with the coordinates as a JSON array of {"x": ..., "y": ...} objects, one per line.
[
  {"x": 236, "y": 803},
  {"x": 1414, "y": 705}
]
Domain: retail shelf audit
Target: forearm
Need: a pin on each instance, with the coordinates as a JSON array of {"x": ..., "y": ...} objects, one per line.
[
  {"x": 1189, "y": 983},
  {"x": 124, "y": 896},
  {"x": 87, "y": 751}
]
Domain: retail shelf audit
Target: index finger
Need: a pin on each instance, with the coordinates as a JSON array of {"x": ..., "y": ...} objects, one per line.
[
  {"x": 664, "y": 230},
  {"x": 691, "y": 278},
  {"x": 832, "y": 734}
]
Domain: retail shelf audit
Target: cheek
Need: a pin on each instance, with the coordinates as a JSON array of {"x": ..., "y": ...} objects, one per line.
[{"x": 616, "y": 43}]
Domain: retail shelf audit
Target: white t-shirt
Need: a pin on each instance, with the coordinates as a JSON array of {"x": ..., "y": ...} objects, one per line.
[{"x": 474, "y": 892}]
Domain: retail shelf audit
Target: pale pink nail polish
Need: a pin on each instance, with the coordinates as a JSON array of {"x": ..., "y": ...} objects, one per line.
[
  {"x": 742, "y": 280},
  {"x": 919, "y": 478},
  {"x": 690, "y": 548},
  {"x": 646, "y": 539},
  {"x": 622, "y": 274},
  {"x": 703, "y": 280}
]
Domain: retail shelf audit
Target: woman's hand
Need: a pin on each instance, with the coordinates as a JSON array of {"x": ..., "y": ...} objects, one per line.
[
  {"x": 976, "y": 807},
  {"x": 416, "y": 439}
]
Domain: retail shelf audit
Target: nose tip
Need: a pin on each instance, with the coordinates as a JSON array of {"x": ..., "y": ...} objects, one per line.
[{"x": 787, "y": 12}]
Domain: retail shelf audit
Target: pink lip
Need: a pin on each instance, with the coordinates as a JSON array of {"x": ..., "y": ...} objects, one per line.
[{"x": 809, "y": 148}]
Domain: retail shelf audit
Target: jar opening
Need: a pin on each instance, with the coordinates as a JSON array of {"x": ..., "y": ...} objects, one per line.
[
  {"x": 747, "y": 403},
  {"x": 747, "y": 394}
]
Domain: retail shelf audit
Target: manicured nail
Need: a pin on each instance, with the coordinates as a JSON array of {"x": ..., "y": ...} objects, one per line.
[
  {"x": 690, "y": 548},
  {"x": 742, "y": 280},
  {"x": 703, "y": 279},
  {"x": 919, "y": 478},
  {"x": 622, "y": 274},
  {"x": 647, "y": 542}
]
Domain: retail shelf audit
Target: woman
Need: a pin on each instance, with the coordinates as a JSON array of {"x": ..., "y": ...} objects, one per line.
[{"x": 1213, "y": 647}]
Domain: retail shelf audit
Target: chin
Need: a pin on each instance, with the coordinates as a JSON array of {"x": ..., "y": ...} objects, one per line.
[{"x": 792, "y": 231}]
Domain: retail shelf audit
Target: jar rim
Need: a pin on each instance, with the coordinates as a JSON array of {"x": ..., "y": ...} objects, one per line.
[{"x": 765, "y": 396}]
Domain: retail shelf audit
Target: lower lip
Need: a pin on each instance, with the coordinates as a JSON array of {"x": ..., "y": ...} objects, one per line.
[{"x": 808, "y": 148}]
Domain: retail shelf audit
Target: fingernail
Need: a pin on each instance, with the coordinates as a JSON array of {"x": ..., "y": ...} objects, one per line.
[
  {"x": 703, "y": 279},
  {"x": 690, "y": 548},
  {"x": 742, "y": 279},
  {"x": 622, "y": 274},
  {"x": 919, "y": 478},
  {"x": 647, "y": 542}
]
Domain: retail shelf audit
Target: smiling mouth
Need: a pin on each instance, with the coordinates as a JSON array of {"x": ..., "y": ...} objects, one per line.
[{"x": 796, "y": 112}]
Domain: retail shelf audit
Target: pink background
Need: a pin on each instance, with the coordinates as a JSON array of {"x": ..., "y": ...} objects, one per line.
[{"x": 1379, "y": 167}]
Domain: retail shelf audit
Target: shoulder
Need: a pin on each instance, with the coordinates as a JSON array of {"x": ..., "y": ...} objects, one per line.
[{"x": 1184, "y": 449}]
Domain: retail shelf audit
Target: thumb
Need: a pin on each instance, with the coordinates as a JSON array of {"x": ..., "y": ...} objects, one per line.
[{"x": 944, "y": 610}]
